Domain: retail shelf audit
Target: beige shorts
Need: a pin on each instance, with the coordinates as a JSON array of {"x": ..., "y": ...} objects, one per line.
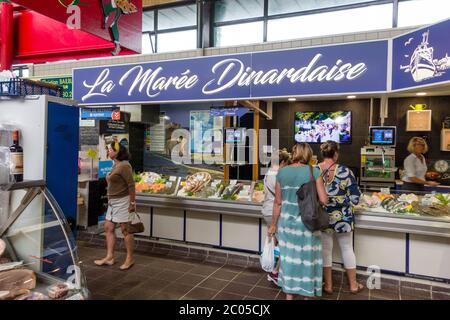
[{"x": 118, "y": 210}]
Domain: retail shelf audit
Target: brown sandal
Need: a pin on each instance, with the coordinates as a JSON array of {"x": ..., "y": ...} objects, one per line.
[
  {"x": 125, "y": 267},
  {"x": 104, "y": 262},
  {"x": 360, "y": 288}
]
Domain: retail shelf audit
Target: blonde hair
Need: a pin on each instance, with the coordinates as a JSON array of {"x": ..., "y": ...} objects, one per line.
[
  {"x": 284, "y": 156},
  {"x": 329, "y": 149},
  {"x": 413, "y": 141},
  {"x": 302, "y": 152}
]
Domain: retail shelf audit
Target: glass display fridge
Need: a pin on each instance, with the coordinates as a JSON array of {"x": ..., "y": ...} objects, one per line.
[{"x": 38, "y": 253}]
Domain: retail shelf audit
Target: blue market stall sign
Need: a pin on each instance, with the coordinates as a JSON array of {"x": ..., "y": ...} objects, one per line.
[
  {"x": 64, "y": 82},
  {"x": 104, "y": 167},
  {"x": 335, "y": 69},
  {"x": 228, "y": 112},
  {"x": 422, "y": 57},
  {"x": 99, "y": 113}
]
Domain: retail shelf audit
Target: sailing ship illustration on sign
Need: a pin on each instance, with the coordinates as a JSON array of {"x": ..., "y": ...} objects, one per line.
[{"x": 422, "y": 65}]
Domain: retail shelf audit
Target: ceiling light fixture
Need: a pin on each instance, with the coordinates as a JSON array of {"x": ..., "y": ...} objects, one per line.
[
  {"x": 351, "y": 97},
  {"x": 292, "y": 99},
  {"x": 421, "y": 94}
]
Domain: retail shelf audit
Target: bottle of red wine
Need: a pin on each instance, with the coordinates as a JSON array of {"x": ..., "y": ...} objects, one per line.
[{"x": 16, "y": 158}]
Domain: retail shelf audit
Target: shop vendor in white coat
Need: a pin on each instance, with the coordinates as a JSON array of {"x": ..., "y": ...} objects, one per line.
[{"x": 415, "y": 166}]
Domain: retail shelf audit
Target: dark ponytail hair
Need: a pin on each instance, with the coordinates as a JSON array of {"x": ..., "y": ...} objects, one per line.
[{"x": 122, "y": 151}]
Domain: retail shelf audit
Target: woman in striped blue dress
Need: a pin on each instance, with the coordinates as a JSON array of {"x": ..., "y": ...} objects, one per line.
[{"x": 300, "y": 250}]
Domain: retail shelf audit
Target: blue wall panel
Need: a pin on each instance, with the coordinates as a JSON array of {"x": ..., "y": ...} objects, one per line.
[{"x": 62, "y": 157}]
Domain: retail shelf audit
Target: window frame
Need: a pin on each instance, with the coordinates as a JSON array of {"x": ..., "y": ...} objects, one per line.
[
  {"x": 157, "y": 32},
  {"x": 266, "y": 17}
]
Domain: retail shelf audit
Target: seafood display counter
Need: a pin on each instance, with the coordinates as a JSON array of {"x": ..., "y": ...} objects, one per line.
[
  {"x": 38, "y": 254},
  {"x": 403, "y": 233}
]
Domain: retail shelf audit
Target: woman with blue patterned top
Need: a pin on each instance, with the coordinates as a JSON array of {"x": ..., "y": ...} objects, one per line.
[
  {"x": 300, "y": 250},
  {"x": 343, "y": 194}
]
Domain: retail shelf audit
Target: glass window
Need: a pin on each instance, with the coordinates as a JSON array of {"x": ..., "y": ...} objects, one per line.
[
  {"x": 228, "y": 10},
  {"x": 288, "y": 6},
  {"x": 418, "y": 12},
  {"x": 327, "y": 23},
  {"x": 177, "y": 41},
  {"x": 148, "y": 21},
  {"x": 148, "y": 43},
  {"x": 237, "y": 34},
  {"x": 177, "y": 17}
]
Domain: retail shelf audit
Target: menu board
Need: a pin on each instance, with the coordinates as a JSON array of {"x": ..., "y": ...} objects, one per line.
[{"x": 418, "y": 120}]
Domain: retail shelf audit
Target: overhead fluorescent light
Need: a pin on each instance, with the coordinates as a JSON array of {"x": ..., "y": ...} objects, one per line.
[
  {"x": 292, "y": 99},
  {"x": 351, "y": 97},
  {"x": 421, "y": 94}
]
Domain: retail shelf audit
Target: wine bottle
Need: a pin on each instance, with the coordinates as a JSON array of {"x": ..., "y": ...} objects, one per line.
[{"x": 16, "y": 158}]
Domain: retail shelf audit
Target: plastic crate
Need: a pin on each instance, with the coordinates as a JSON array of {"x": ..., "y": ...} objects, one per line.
[{"x": 17, "y": 87}]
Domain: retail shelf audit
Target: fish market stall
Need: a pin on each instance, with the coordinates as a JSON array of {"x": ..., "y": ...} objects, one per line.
[{"x": 401, "y": 234}]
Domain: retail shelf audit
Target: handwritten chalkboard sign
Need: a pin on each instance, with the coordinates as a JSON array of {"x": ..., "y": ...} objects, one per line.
[{"x": 89, "y": 136}]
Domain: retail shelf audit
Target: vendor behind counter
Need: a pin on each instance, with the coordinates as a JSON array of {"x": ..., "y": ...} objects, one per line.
[{"x": 416, "y": 167}]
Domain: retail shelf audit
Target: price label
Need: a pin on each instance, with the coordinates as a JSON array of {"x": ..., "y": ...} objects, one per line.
[
  {"x": 233, "y": 182},
  {"x": 172, "y": 178},
  {"x": 427, "y": 201},
  {"x": 168, "y": 184},
  {"x": 385, "y": 190}
]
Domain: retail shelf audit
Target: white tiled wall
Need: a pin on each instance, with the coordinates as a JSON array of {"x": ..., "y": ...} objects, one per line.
[{"x": 65, "y": 68}]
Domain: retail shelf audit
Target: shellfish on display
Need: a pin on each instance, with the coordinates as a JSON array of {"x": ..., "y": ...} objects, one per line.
[{"x": 197, "y": 181}]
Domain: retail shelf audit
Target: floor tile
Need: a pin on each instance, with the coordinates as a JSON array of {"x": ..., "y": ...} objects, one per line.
[
  {"x": 177, "y": 288},
  {"x": 191, "y": 279},
  {"x": 440, "y": 296},
  {"x": 170, "y": 275},
  {"x": 409, "y": 297},
  {"x": 440, "y": 289},
  {"x": 132, "y": 280},
  {"x": 203, "y": 270},
  {"x": 99, "y": 296},
  {"x": 215, "y": 284},
  {"x": 228, "y": 296},
  {"x": 238, "y": 288},
  {"x": 422, "y": 294},
  {"x": 349, "y": 296},
  {"x": 117, "y": 290},
  {"x": 264, "y": 293},
  {"x": 383, "y": 294},
  {"x": 224, "y": 275},
  {"x": 155, "y": 284},
  {"x": 250, "y": 279},
  {"x": 201, "y": 293},
  {"x": 97, "y": 286}
]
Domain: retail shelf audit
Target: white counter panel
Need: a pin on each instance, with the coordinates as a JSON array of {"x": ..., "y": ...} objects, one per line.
[
  {"x": 203, "y": 228},
  {"x": 240, "y": 232},
  {"x": 168, "y": 223},
  {"x": 429, "y": 256},
  {"x": 386, "y": 250}
]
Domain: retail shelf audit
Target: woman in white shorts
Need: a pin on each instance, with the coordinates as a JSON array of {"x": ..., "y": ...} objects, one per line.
[
  {"x": 121, "y": 202},
  {"x": 270, "y": 180}
]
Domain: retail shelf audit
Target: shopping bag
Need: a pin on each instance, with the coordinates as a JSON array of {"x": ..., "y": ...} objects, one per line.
[{"x": 267, "y": 256}]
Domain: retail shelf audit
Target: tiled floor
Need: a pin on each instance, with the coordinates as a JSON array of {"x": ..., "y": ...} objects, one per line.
[{"x": 161, "y": 277}]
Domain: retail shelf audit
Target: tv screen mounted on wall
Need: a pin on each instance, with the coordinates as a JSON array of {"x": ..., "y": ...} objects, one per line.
[{"x": 318, "y": 127}]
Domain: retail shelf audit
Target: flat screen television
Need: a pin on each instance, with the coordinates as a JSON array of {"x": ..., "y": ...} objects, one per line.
[
  {"x": 382, "y": 136},
  {"x": 318, "y": 127}
]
